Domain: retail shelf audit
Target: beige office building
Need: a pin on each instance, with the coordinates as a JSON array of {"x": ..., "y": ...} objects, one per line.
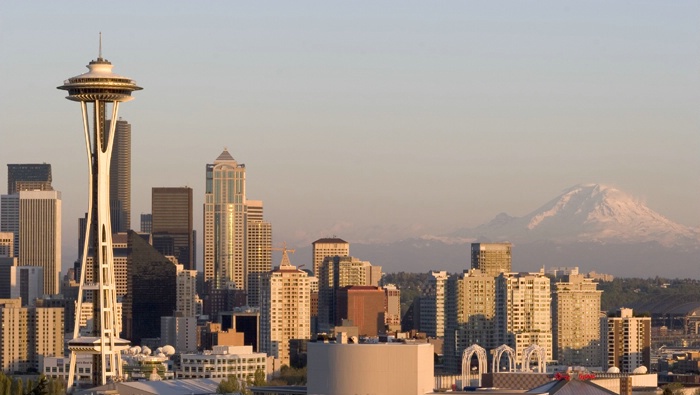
[
  {"x": 576, "y": 323},
  {"x": 492, "y": 258},
  {"x": 470, "y": 310},
  {"x": 258, "y": 250},
  {"x": 328, "y": 247},
  {"x": 28, "y": 334},
  {"x": 285, "y": 311},
  {"x": 40, "y": 234},
  {"x": 523, "y": 311}
]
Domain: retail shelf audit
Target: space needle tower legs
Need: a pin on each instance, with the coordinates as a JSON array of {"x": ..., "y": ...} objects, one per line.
[{"x": 99, "y": 91}]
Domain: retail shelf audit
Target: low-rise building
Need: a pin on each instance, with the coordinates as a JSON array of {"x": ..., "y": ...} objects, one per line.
[{"x": 222, "y": 361}]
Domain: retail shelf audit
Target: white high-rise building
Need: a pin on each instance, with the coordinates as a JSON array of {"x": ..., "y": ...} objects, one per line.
[
  {"x": 576, "y": 323},
  {"x": 224, "y": 222},
  {"x": 34, "y": 218},
  {"x": 523, "y": 311},
  {"x": 328, "y": 247},
  {"x": 285, "y": 311},
  {"x": 186, "y": 294},
  {"x": 432, "y": 307}
]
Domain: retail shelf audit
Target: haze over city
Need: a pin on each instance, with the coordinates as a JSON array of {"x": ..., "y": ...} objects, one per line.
[{"x": 373, "y": 122}]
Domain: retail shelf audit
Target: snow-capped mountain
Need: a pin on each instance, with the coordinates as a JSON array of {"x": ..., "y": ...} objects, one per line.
[{"x": 587, "y": 213}]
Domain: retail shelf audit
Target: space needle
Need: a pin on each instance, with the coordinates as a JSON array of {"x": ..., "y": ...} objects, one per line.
[{"x": 99, "y": 92}]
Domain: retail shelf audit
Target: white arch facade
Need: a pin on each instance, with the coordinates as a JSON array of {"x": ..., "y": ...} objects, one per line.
[
  {"x": 498, "y": 353},
  {"x": 466, "y": 362},
  {"x": 540, "y": 353}
]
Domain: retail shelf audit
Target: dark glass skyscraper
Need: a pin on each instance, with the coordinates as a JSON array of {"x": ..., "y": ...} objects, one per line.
[
  {"x": 151, "y": 289},
  {"x": 171, "y": 210},
  {"x": 28, "y": 176}
]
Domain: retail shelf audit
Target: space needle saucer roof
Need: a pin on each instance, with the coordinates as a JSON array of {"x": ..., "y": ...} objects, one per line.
[{"x": 100, "y": 83}]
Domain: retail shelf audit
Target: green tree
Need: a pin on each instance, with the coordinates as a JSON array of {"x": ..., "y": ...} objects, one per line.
[
  {"x": 16, "y": 387},
  {"x": 40, "y": 388},
  {"x": 229, "y": 385},
  {"x": 259, "y": 379},
  {"x": 673, "y": 389}
]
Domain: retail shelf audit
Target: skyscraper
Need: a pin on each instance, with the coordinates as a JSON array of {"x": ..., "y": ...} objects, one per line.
[
  {"x": 523, "y": 311},
  {"x": 328, "y": 247},
  {"x": 432, "y": 312},
  {"x": 120, "y": 177},
  {"x": 171, "y": 210},
  {"x": 470, "y": 314},
  {"x": 625, "y": 341},
  {"x": 224, "y": 222},
  {"x": 576, "y": 323},
  {"x": 28, "y": 176},
  {"x": 337, "y": 272},
  {"x": 492, "y": 258},
  {"x": 258, "y": 250},
  {"x": 34, "y": 218},
  {"x": 285, "y": 309}
]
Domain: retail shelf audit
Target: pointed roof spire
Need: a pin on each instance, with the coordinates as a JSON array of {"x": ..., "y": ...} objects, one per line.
[
  {"x": 99, "y": 55},
  {"x": 225, "y": 156},
  {"x": 285, "y": 263}
]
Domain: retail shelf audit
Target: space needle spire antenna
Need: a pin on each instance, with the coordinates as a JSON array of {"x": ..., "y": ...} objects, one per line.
[{"x": 99, "y": 92}]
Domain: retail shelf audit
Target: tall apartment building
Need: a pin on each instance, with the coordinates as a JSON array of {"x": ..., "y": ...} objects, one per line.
[
  {"x": 172, "y": 226},
  {"x": 224, "y": 222},
  {"x": 523, "y": 311},
  {"x": 285, "y": 309},
  {"x": 28, "y": 334},
  {"x": 432, "y": 306},
  {"x": 625, "y": 341},
  {"x": 576, "y": 323},
  {"x": 492, "y": 258},
  {"x": 186, "y": 295},
  {"x": 258, "y": 250},
  {"x": 120, "y": 177},
  {"x": 34, "y": 218},
  {"x": 337, "y": 272},
  {"x": 470, "y": 311},
  {"x": 28, "y": 177},
  {"x": 328, "y": 247}
]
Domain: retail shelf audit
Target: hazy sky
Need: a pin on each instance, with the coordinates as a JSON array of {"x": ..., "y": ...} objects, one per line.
[{"x": 369, "y": 120}]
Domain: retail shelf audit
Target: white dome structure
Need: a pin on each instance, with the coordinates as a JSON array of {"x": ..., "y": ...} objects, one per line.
[
  {"x": 640, "y": 370},
  {"x": 614, "y": 369},
  {"x": 168, "y": 350}
]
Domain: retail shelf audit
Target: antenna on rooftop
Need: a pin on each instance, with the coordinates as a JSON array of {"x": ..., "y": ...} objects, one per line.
[{"x": 99, "y": 56}]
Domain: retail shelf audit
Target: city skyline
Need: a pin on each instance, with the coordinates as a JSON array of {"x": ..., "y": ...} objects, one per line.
[{"x": 374, "y": 124}]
